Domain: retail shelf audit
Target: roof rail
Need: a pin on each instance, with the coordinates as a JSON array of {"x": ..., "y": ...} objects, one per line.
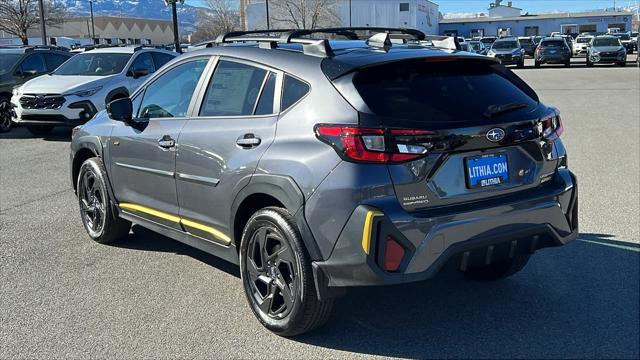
[
  {"x": 310, "y": 46},
  {"x": 45, "y": 47}
]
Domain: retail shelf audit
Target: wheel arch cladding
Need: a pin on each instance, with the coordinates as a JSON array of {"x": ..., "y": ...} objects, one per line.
[
  {"x": 271, "y": 190},
  {"x": 79, "y": 158},
  {"x": 116, "y": 93}
]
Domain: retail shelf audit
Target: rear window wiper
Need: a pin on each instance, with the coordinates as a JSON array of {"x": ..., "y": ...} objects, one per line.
[{"x": 494, "y": 110}]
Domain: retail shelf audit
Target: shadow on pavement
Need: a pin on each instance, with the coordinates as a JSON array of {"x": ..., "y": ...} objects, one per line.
[
  {"x": 146, "y": 240},
  {"x": 580, "y": 300},
  {"x": 21, "y": 132}
]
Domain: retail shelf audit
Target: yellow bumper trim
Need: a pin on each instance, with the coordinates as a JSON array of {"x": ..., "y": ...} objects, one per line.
[
  {"x": 367, "y": 230},
  {"x": 176, "y": 219}
]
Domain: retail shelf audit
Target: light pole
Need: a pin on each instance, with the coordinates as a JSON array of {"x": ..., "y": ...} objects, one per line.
[
  {"x": 43, "y": 30},
  {"x": 174, "y": 12},
  {"x": 350, "y": 13},
  {"x": 266, "y": 2},
  {"x": 93, "y": 29}
]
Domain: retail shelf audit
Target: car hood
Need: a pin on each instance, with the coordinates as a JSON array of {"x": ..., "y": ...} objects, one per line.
[{"x": 62, "y": 84}]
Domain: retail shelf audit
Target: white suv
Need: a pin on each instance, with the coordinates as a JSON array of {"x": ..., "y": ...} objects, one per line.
[
  {"x": 581, "y": 44},
  {"x": 81, "y": 87}
]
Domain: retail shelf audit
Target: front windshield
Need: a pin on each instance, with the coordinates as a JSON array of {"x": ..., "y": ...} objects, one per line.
[
  {"x": 475, "y": 45},
  {"x": 606, "y": 42},
  {"x": 7, "y": 61},
  {"x": 624, "y": 37},
  {"x": 525, "y": 41},
  {"x": 97, "y": 64},
  {"x": 583, "y": 40},
  {"x": 504, "y": 45}
]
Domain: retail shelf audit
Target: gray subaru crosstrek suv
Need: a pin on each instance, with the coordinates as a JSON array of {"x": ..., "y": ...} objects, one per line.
[{"x": 321, "y": 165}]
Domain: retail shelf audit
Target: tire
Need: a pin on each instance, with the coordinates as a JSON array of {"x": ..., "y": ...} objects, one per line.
[
  {"x": 5, "y": 114},
  {"x": 567, "y": 64},
  {"x": 277, "y": 277},
  {"x": 39, "y": 130},
  {"x": 94, "y": 201},
  {"x": 497, "y": 270},
  {"x": 521, "y": 64},
  {"x": 537, "y": 64},
  {"x": 622, "y": 64},
  {"x": 589, "y": 63}
]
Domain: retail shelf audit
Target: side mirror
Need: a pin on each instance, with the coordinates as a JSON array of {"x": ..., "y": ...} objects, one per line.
[
  {"x": 120, "y": 110},
  {"x": 139, "y": 73},
  {"x": 28, "y": 73}
]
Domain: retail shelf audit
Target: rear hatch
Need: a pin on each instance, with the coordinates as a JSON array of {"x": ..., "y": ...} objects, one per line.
[{"x": 453, "y": 130}]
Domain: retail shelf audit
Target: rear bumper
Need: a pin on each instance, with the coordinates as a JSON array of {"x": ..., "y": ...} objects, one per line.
[
  {"x": 459, "y": 240},
  {"x": 552, "y": 59}
]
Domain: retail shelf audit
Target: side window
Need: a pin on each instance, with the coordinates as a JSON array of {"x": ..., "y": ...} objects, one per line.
[
  {"x": 233, "y": 90},
  {"x": 170, "y": 94},
  {"x": 265, "y": 104},
  {"x": 160, "y": 59},
  {"x": 143, "y": 62},
  {"x": 54, "y": 60},
  {"x": 135, "y": 104},
  {"x": 292, "y": 91},
  {"x": 33, "y": 63}
]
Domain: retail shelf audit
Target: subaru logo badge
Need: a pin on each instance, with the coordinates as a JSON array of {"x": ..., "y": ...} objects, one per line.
[
  {"x": 39, "y": 99},
  {"x": 495, "y": 135}
]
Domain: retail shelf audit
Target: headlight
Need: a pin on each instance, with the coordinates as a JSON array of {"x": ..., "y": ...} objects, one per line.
[
  {"x": 16, "y": 91},
  {"x": 87, "y": 92},
  {"x": 595, "y": 52},
  {"x": 622, "y": 50}
]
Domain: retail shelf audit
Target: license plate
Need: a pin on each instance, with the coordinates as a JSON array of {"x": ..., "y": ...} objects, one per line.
[
  {"x": 552, "y": 51},
  {"x": 487, "y": 170}
]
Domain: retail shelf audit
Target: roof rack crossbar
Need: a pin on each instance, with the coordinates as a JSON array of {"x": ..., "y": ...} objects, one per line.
[{"x": 419, "y": 35}]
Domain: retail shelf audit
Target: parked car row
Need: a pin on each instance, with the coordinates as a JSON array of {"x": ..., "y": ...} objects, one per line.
[
  {"x": 44, "y": 87},
  {"x": 556, "y": 49}
]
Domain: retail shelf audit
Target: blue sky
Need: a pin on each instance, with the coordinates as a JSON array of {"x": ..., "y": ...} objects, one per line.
[{"x": 532, "y": 6}]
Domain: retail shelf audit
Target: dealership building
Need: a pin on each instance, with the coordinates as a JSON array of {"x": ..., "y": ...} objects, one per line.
[
  {"x": 417, "y": 14},
  {"x": 505, "y": 20}
]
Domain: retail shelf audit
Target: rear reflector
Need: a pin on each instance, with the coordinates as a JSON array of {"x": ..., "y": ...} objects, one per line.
[{"x": 393, "y": 254}]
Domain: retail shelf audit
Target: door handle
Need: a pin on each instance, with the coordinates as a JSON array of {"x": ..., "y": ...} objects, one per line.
[
  {"x": 166, "y": 142},
  {"x": 248, "y": 141}
]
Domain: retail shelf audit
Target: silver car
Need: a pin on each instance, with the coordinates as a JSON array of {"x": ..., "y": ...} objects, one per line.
[
  {"x": 606, "y": 49},
  {"x": 508, "y": 51}
]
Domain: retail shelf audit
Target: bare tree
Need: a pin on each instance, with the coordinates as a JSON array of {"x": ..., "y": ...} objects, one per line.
[
  {"x": 17, "y": 17},
  {"x": 220, "y": 17},
  {"x": 304, "y": 14}
]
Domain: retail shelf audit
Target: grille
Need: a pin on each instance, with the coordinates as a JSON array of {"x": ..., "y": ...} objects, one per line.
[
  {"x": 41, "y": 101},
  {"x": 608, "y": 54}
]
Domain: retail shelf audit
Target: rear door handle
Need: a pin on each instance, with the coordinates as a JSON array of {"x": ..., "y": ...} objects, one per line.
[
  {"x": 166, "y": 142},
  {"x": 248, "y": 141}
]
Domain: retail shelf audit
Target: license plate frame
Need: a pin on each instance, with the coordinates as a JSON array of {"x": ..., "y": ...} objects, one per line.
[{"x": 497, "y": 174}]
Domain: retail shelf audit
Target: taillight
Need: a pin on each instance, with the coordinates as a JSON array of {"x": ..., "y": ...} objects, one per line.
[
  {"x": 376, "y": 145},
  {"x": 550, "y": 126},
  {"x": 393, "y": 254},
  {"x": 541, "y": 48}
]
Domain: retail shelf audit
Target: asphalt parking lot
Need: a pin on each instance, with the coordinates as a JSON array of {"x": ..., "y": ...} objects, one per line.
[{"x": 62, "y": 295}]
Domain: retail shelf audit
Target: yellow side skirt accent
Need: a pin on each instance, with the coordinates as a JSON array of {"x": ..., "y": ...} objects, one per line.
[
  {"x": 176, "y": 219},
  {"x": 366, "y": 232}
]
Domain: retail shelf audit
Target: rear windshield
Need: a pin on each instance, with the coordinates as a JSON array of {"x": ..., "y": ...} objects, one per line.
[
  {"x": 525, "y": 41},
  {"x": 553, "y": 43},
  {"x": 583, "y": 40},
  {"x": 624, "y": 36},
  {"x": 437, "y": 91},
  {"x": 505, "y": 45}
]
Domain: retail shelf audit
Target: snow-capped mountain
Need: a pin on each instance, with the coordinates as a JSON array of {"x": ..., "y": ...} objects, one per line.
[{"x": 146, "y": 9}]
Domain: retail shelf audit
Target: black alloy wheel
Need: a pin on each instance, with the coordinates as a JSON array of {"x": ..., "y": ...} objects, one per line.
[
  {"x": 5, "y": 115},
  {"x": 92, "y": 203},
  {"x": 277, "y": 276},
  {"x": 273, "y": 272},
  {"x": 98, "y": 217}
]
